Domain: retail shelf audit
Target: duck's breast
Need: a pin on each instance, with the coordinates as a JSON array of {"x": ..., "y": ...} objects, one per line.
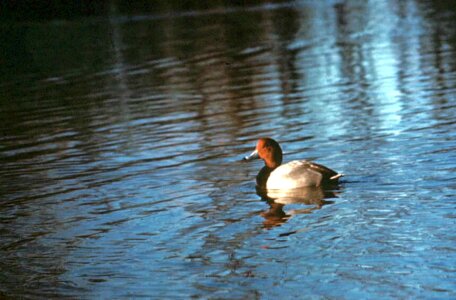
[{"x": 294, "y": 174}]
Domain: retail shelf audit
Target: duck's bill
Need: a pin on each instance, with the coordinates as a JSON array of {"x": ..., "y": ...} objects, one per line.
[{"x": 253, "y": 155}]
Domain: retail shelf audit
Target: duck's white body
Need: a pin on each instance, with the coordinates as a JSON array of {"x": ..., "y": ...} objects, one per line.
[{"x": 295, "y": 174}]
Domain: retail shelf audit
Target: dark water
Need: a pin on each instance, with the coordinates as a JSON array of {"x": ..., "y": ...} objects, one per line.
[{"x": 121, "y": 139}]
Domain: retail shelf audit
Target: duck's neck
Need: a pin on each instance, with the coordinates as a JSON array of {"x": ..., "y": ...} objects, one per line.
[
  {"x": 273, "y": 159},
  {"x": 271, "y": 164},
  {"x": 263, "y": 176}
]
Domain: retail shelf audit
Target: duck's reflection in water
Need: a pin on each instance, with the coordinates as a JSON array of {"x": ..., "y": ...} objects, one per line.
[{"x": 277, "y": 199}]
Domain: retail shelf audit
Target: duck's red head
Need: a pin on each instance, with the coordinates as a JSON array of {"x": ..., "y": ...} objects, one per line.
[{"x": 269, "y": 151}]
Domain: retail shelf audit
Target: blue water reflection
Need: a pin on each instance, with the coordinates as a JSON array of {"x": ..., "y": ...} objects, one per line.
[{"x": 121, "y": 139}]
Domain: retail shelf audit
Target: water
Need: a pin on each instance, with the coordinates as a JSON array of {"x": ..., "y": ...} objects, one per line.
[{"x": 122, "y": 137}]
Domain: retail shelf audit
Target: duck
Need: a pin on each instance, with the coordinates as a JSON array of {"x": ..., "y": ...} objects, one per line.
[{"x": 292, "y": 175}]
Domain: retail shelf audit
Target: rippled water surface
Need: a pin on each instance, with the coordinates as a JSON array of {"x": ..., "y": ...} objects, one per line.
[{"x": 121, "y": 140}]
